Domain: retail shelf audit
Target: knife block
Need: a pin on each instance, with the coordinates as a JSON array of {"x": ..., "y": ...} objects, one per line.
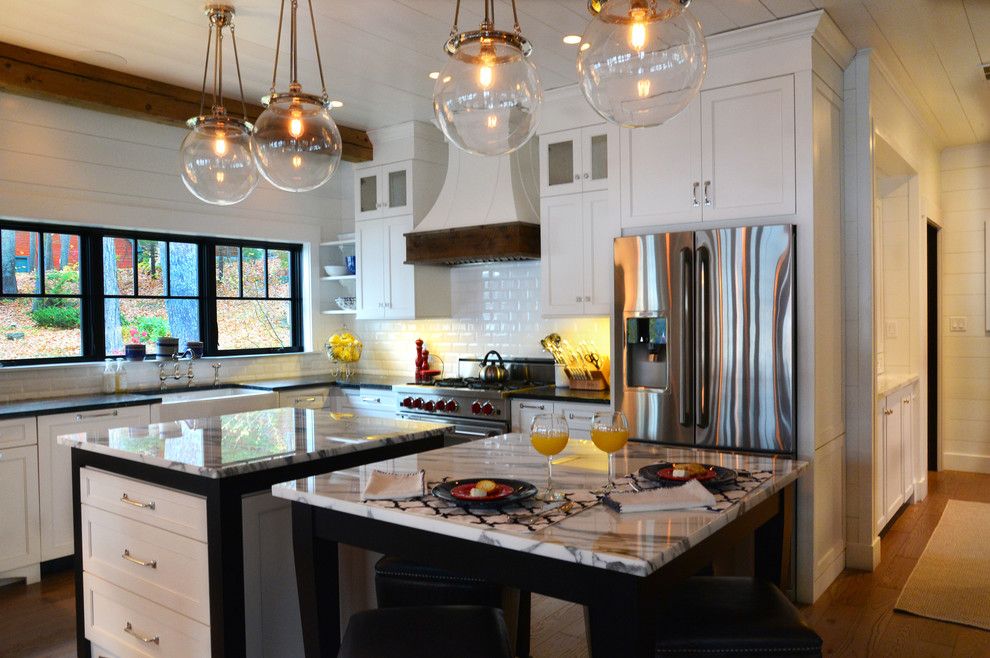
[{"x": 596, "y": 383}]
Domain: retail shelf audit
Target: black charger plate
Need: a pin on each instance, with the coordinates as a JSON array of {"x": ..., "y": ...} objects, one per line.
[
  {"x": 521, "y": 490},
  {"x": 723, "y": 476}
]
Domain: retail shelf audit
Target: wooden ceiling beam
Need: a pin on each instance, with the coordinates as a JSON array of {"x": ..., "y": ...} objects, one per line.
[{"x": 36, "y": 74}]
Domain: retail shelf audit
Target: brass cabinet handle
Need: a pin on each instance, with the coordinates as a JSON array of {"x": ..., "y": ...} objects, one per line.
[
  {"x": 144, "y": 638},
  {"x": 141, "y": 563},
  {"x": 887, "y": 412},
  {"x": 137, "y": 503},
  {"x": 106, "y": 415},
  {"x": 906, "y": 400},
  {"x": 298, "y": 400}
]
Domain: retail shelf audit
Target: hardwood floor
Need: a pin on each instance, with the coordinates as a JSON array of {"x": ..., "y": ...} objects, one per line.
[{"x": 855, "y": 616}]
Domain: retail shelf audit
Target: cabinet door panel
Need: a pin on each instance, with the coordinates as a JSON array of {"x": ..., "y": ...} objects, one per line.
[
  {"x": 892, "y": 459},
  {"x": 55, "y": 470},
  {"x": 367, "y": 193},
  {"x": 370, "y": 246},
  {"x": 20, "y": 538},
  {"x": 560, "y": 162},
  {"x": 661, "y": 171},
  {"x": 396, "y": 185},
  {"x": 908, "y": 439},
  {"x": 600, "y": 229},
  {"x": 748, "y": 149},
  {"x": 562, "y": 247},
  {"x": 594, "y": 158},
  {"x": 400, "y": 279},
  {"x": 524, "y": 411}
]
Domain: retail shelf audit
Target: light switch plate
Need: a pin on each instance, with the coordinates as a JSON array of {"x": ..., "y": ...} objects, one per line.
[
  {"x": 957, "y": 323},
  {"x": 891, "y": 328}
]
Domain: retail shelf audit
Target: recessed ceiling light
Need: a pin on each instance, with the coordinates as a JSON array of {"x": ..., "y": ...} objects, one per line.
[
  {"x": 336, "y": 103},
  {"x": 572, "y": 39},
  {"x": 434, "y": 75}
]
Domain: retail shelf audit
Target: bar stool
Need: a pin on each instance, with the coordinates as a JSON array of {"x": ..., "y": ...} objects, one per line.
[
  {"x": 719, "y": 617},
  {"x": 426, "y": 632}
]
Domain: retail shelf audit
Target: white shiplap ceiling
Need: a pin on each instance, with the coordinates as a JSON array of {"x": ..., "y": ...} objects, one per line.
[{"x": 378, "y": 52}]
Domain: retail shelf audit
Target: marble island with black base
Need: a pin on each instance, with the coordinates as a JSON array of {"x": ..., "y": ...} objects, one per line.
[{"x": 161, "y": 513}]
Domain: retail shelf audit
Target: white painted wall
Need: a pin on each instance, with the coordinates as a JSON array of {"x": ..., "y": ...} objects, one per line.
[
  {"x": 73, "y": 166},
  {"x": 897, "y": 262},
  {"x": 965, "y": 356}
]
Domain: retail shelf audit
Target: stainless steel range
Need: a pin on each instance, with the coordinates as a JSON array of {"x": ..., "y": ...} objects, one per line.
[{"x": 474, "y": 407}]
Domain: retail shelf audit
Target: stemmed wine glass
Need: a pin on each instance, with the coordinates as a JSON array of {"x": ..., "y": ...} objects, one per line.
[
  {"x": 609, "y": 433},
  {"x": 549, "y": 435}
]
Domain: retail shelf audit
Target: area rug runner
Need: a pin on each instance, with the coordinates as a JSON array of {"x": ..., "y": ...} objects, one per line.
[{"x": 951, "y": 581}]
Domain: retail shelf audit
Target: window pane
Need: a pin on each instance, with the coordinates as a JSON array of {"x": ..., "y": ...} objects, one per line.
[
  {"x": 253, "y": 324},
  {"x": 227, "y": 271},
  {"x": 183, "y": 269},
  {"x": 34, "y": 328},
  {"x": 253, "y": 269},
  {"x": 61, "y": 264},
  {"x": 151, "y": 278},
  {"x": 20, "y": 262},
  {"x": 278, "y": 274},
  {"x": 146, "y": 320},
  {"x": 118, "y": 266}
]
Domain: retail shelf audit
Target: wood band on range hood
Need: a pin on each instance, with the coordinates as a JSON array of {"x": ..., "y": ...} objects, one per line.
[{"x": 474, "y": 244}]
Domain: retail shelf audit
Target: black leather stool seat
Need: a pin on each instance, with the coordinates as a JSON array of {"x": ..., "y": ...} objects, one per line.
[
  {"x": 427, "y": 632},
  {"x": 732, "y": 618},
  {"x": 402, "y": 583}
]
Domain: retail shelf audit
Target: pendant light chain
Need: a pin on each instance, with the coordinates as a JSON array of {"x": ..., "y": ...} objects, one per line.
[
  {"x": 237, "y": 67},
  {"x": 206, "y": 69},
  {"x": 218, "y": 73},
  {"x": 293, "y": 67},
  {"x": 278, "y": 46},
  {"x": 515, "y": 19},
  {"x": 316, "y": 45},
  {"x": 457, "y": 15}
]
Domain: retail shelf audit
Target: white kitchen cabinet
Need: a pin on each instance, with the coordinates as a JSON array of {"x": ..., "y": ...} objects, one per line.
[
  {"x": 388, "y": 288},
  {"x": 383, "y": 191},
  {"x": 574, "y": 160},
  {"x": 576, "y": 235},
  {"x": 578, "y": 414},
  {"x": 895, "y": 449},
  {"x": 317, "y": 397},
  {"x": 366, "y": 401},
  {"x": 55, "y": 469},
  {"x": 729, "y": 155},
  {"x": 20, "y": 532}
]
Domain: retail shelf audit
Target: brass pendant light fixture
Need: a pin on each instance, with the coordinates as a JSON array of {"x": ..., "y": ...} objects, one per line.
[
  {"x": 297, "y": 143},
  {"x": 487, "y": 98},
  {"x": 217, "y": 156}
]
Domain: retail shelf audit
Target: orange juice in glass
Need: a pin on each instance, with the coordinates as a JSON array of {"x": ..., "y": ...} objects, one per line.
[
  {"x": 609, "y": 433},
  {"x": 549, "y": 434}
]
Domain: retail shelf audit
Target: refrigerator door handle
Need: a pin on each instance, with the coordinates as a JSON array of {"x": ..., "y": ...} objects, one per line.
[
  {"x": 686, "y": 385},
  {"x": 704, "y": 336}
]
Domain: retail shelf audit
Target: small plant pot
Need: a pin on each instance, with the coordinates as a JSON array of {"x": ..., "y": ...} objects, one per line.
[{"x": 135, "y": 352}]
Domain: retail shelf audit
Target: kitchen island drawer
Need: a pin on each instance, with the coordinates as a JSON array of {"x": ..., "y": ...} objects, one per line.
[
  {"x": 162, "y": 566},
  {"x": 18, "y": 432},
  {"x": 305, "y": 398},
  {"x": 171, "y": 510},
  {"x": 129, "y": 625},
  {"x": 368, "y": 402}
]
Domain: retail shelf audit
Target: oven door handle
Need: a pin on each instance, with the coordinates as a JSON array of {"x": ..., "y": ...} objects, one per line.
[{"x": 471, "y": 433}]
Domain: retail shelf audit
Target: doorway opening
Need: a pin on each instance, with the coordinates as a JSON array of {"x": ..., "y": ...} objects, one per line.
[{"x": 932, "y": 313}]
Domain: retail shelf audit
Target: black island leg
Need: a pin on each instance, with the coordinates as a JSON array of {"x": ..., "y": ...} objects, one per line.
[
  {"x": 82, "y": 644},
  {"x": 225, "y": 544},
  {"x": 317, "y": 580}
]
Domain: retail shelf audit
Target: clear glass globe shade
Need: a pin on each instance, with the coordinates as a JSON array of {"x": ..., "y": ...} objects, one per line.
[
  {"x": 217, "y": 161},
  {"x": 297, "y": 143},
  {"x": 487, "y": 100},
  {"x": 638, "y": 69}
]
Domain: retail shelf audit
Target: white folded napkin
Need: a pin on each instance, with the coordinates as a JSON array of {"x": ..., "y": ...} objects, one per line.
[
  {"x": 395, "y": 486},
  {"x": 687, "y": 496}
]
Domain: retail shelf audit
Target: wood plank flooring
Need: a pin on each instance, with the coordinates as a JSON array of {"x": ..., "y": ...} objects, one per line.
[{"x": 855, "y": 616}]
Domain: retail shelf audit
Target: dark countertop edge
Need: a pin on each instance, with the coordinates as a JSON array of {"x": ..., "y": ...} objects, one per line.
[
  {"x": 289, "y": 384},
  {"x": 562, "y": 395},
  {"x": 51, "y": 406}
]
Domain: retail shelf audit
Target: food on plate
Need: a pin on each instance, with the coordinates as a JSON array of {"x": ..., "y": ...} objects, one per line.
[
  {"x": 689, "y": 470},
  {"x": 486, "y": 485},
  {"x": 477, "y": 493}
]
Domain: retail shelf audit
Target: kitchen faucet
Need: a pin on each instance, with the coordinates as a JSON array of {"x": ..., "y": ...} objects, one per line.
[
  {"x": 216, "y": 374},
  {"x": 176, "y": 374}
]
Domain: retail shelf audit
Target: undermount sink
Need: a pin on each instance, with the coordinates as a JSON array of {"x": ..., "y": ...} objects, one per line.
[
  {"x": 178, "y": 397},
  {"x": 207, "y": 402}
]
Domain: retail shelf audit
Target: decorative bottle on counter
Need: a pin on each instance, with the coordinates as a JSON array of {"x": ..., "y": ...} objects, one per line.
[
  {"x": 120, "y": 377},
  {"x": 109, "y": 377}
]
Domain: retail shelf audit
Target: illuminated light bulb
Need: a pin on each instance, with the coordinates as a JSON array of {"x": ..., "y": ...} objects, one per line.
[
  {"x": 492, "y": 121},
  {"x": 295, "y": 127},
  {"x": 637, "y": 32},
  {"x": 296, "y": 161},
  {"x": 220, "y": 145},
  {"x": 220, "y": 176},
  {"x": 485, "y": 76},
  {"x": 643, "y": 88}
]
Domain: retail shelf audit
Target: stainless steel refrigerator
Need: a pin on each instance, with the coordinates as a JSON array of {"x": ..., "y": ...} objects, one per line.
[{"x": 705, "y": 337}]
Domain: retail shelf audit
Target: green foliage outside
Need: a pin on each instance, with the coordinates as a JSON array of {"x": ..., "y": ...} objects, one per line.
[
  {"x": 56, "y": 317},
  {"x": 143, "y": 329}
]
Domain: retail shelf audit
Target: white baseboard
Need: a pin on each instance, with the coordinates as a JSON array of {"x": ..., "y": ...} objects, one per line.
[
  {"x": 958, "y": 461},
  {"x": 864, "y": 557},
  {"x": 30, "y": 574},
  {"x": 829, "y": 574}
]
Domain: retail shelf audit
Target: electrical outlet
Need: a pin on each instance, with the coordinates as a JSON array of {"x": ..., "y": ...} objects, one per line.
[
  {"x": 957, "y": 323},
  {"x": 891, "y": 328}
]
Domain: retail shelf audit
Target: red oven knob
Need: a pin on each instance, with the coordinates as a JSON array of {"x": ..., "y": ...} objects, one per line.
[
  {"x": 452, "y": 405},
  {"x": 441, "y": 405},
  {"x": 417, "y": 403},
  {"x": 487, "y": 409},
  {"x": 407, "y": 403},
  {"x": 476, "y": 407},
  {"x": 428, "y": 406}
]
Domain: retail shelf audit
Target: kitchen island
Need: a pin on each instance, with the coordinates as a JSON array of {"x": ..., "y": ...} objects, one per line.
[{"x": 160, "y": 519}]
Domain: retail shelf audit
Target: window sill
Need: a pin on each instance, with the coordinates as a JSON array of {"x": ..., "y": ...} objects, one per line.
[{"x": 206, "y": 359}]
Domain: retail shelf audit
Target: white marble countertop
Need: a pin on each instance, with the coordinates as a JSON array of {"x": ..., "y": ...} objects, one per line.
[
  {"x": 637, "y": 543},
  {"x": 890, "y": 382},
  {"x": 253, "y": 441}
]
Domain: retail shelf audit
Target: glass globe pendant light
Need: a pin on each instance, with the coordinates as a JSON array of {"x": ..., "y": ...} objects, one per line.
[
  {"x": 487, "y": 98},
  {"x": 217, "y": 156},
  {"x": 641, "y": 61},
  {"x": 297, "y": 143}
]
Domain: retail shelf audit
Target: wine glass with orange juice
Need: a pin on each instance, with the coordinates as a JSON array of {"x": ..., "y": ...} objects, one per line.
[
  {"x": 549, "y": 434},
  {"x": 609, "y": 433}
]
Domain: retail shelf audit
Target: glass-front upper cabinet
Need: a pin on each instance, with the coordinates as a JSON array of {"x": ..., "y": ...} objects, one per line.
[
  {"x": 382, "y": 191},
  {"x": 574, "y": 160}
]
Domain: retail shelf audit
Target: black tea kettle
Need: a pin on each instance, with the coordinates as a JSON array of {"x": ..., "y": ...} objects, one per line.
[{"x": 494, "y": 371}]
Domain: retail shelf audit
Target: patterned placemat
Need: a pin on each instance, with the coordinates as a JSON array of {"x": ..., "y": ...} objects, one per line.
[
  {"x": 525, "y": 516},
  {"x": 725, "y": 496}
]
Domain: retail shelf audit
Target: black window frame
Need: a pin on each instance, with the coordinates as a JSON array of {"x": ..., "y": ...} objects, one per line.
[{"x": 91, "y": 289}]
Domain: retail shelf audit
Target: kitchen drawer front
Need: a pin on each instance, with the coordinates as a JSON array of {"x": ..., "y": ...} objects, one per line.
[
  {"x": 96, "y": 651},
  {"x": 171, "y": 510},
  {"x": 305, "y": 398},
  {"x": 579, "y": 415},
  {"x": 162, "y": 566},
  {"x": 129, "y": 625},
  {"x": 369, "y": 399},
  {"x": 18, "y": 432}
]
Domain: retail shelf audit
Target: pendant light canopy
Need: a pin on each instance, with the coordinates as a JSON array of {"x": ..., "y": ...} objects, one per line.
[
  {"x": 487, "y": 98},
  {"x": 297, "y": 143},
  {"x": 217, "y": 156},
  {"x": 641, "y": 61}
]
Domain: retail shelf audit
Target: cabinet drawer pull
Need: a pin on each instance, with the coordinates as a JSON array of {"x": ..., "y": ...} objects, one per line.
[
  {"x": 299, "y": 400},
  {"x": 109, "y": 414},
  {"x": 541, "y": 407},
  {"x": 887, "y": 412},
  {"x": 576, "y": 417},
  {"x": 144, "y": 638},
  {"x": 906, "y": 400},
  {"x": 708, "y": 196},
  {"x": 372, "y": 400},
  {"x": 137, "y": 503},
  {"x": 694, "y": 194},
  {"x": 141, "y": 563}
]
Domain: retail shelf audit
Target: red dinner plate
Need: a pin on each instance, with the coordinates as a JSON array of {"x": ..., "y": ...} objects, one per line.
[
  {"x": 668, "y": 474},
  {"x": 463, "y": 492}
]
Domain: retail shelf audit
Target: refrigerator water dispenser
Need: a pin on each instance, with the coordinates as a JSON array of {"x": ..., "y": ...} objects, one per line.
[{"x": 646, "y": 352}]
